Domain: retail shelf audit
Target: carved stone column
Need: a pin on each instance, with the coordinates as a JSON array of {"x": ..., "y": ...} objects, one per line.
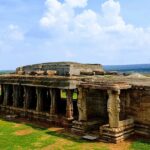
[
  {"x": 82, "y": 109},
  {"x": 6, "y": 94},
  {"x": 69, "y": 107},
  {"x": 27, "y": 97},
  {"x": 16, "y": 91},
  {"x": 53, "y": 101},
  {"x": 39, "y": 105},
  {"x": 113, "y": 108}
]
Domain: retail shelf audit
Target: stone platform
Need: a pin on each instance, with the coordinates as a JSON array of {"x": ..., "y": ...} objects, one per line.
[{"x": 115, "y": 135}]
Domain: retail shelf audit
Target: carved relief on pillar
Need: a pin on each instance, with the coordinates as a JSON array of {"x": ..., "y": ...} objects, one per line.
[
  {"x": 53, "y": 101},
  {"x": 113, "y": 108},
  {"x": 82, "y": 109},
  {"x": 69, "y": 107},
  {"x": 39, "y": 94}
]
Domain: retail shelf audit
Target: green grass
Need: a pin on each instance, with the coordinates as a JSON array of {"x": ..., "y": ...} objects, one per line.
[
  {"x": 12, "y": 138},
  {"x": 141, "y": 145},
  {"x": 39, "y": 138}
]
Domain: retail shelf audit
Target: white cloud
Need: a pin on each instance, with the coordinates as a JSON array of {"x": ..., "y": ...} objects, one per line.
[
  {"x": 76, "y": 3},
  {"x": 93, "y": 34},
  {"x": 111, "y": 8}
]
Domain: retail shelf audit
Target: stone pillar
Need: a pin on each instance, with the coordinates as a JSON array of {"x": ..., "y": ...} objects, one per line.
[
  {"x": 82, "y": 104},
  {"x": 16, "y": 91},
  {"x": 69, "y": 107},
  {"x": 6, "y": 94},
  {"x": 113, "y": 108},
  {"x": 40, "y": 99},
  {"x": 27, "y": 97},
  {"x": 53, "y": 101},
  {"x": 1, "y": 94}
]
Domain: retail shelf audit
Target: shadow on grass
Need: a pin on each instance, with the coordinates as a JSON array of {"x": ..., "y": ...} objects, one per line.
[
  {"x": 24, "y": 122},
  {"x": 64, "y": 135}
]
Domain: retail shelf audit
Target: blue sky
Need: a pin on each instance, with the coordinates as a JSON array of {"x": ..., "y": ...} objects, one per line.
[{"x": 88, "y": 31}]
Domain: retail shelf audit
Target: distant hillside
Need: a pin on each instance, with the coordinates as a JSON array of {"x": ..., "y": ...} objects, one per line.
[
  {"x": 143, "y": 68},
  {"x": 6, "y": 71}
]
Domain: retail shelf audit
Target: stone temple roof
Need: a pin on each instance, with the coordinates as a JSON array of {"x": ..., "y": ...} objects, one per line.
[
  {"x": 71, "y": 75},
  {"x": 62, "y": 68}
]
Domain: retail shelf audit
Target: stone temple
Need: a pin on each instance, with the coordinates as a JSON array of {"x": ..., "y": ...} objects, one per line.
[{"x": 81, "y": 97}]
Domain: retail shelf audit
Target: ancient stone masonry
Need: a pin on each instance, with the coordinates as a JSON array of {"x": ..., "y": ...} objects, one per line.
[{"x": 81, "y": 97}]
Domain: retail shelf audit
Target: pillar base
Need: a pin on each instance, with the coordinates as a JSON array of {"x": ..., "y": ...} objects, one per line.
[
  {"x": 81, "y": 127},
  {"x": 115, "y": 135}
]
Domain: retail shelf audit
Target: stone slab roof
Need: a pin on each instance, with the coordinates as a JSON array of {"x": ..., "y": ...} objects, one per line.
[{"x": 71, "y": 82}]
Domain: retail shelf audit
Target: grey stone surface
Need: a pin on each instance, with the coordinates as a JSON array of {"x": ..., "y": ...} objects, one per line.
[{"x": 62, "y": 68}]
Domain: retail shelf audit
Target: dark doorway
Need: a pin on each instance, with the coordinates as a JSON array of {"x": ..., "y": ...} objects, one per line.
[
  {"x": 46, "y": 100},
  {"x": 10, "y": 95},
  {"x": 33, "y": 99},
  {"x": 21, "y": 97},
  {"x": 61, "y": 103}
]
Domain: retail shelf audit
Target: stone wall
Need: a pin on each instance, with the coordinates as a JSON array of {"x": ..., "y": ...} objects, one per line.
[
  {"x": 97, "y": 104},
  {"x": 140, "y": 110},
  {"x": 140, "y": 105},
  {"x": 124, "y": 104}
]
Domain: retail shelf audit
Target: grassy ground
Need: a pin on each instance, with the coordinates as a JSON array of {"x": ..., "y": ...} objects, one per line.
[{"x": 21, "y": 136}]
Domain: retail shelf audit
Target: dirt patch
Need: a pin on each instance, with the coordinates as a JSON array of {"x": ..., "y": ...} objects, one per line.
[
  {"x": 56, "y": 129},
  {"x": 124, "y": 145},
  {"x": 59, "y": 144},
  {"x": 17, "y": 125},
  {"x": 24, "y": 132}
]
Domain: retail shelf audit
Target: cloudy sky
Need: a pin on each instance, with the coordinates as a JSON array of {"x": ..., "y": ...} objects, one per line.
[{"x": 88, "y": 31}]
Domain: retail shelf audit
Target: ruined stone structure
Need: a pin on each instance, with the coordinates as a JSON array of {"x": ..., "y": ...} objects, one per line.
[{"x": 82, "y": 97}]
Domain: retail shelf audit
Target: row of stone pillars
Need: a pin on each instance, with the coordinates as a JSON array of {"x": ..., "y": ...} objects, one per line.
[
  {"x": 14, "y": 92},
  {"x": 113, "y": 105}
]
